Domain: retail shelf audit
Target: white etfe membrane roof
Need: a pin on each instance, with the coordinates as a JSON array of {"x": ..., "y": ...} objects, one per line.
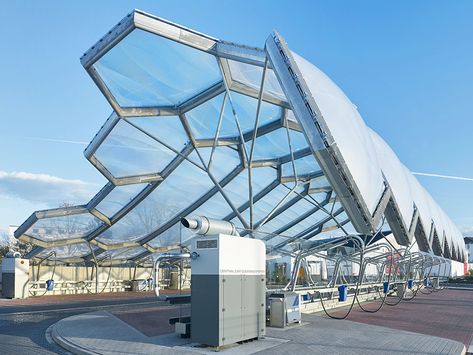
[
  {"x": 348, "y": 130},
  {"x": 368, "y": 157}
]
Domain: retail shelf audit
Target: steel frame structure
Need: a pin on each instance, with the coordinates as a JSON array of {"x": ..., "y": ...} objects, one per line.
[{"x": 338, "y": 206}]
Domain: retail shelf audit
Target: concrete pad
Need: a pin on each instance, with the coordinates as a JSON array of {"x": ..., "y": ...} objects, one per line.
[
  {"x": 236, "y": 349},
  {"x": 103, "y": 333}
]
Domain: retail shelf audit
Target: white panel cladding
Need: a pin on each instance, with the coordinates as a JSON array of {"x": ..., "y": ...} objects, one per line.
[
  {"x": 347, "y": 130},
  {"x": 396, "y": 176},
  {"x": 231, "y": 256},
  {"x": 409, "y": 192}
]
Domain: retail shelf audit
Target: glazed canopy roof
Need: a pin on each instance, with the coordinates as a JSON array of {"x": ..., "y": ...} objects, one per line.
[{"x": 258, "y": 137}]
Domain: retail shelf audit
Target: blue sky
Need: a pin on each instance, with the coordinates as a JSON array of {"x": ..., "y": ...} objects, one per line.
[{"x": 408, "y": 66}]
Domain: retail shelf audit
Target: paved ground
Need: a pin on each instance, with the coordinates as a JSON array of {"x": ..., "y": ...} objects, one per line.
[
  {"x": 23, "y": 323},
  {"x": 103, "y": 333},
  {"x": 137, "y": 323},
  {"x": 152, "y": 321},
  {"x": 446, "y": 314}
]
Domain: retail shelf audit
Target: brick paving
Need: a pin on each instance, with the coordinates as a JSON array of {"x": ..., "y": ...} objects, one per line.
[
  {"x": 446, "y": 314},
  {"x": 80, "y": 298},
  {"x": 153, "y": 321},
  {"x": 433, "y": 323}
]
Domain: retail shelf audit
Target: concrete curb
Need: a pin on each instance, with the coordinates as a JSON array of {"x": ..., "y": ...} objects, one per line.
[{"x": 66, "y": 344}]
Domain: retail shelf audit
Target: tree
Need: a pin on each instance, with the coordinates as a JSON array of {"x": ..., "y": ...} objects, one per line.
[{"x": 12, "y": 244}]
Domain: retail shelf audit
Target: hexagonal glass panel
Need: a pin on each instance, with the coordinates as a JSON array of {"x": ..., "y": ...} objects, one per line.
[
  {"x": 302, "y": 166},
  {"x": 118, "y": 198},
  {"x": 64, "y": 227},
  {"x": 237, "y": 189},
  {"x": 267, "y": 203},
  {"x": 224, "y": 160},
  {"x": 126, "y": 151},
  {"x": 275, "y": 144},
  {"x": 78, "y": 250},
  {"x": 285, "y": 218},
  {"x": 204, "y": 118},
  {"x": 179, "y": 190},
  {"x": 173, "y": 236},
  {"x": 121, "y": 253},
  {"x": 146, "y": 70},
  {"x": 167, "y": 129},
  {"x": 251, "y": 75}
]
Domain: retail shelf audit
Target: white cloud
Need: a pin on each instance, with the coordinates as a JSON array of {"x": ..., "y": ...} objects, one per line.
[{"x": 46, "y": 189}]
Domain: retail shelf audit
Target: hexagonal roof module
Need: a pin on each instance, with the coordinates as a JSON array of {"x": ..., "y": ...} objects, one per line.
[{"x": 258, "y": 137}]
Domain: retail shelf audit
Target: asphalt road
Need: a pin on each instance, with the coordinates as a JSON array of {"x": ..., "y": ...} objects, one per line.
[{"x": 23, "y": 326}]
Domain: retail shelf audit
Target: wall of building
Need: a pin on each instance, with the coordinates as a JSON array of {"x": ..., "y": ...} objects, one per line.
[
  {"x": 469, "y": 248},
  {"x": 81, "y": 279}
]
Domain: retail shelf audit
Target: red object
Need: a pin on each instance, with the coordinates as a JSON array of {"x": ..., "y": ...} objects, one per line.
[{"x": 465, "y": 268}]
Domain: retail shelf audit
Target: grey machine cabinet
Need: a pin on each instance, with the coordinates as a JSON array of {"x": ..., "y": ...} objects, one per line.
[
  {"x": 228, "y": 290},
  {"x": 15, "y": 277},
  {"x": 285, "y": 308}
]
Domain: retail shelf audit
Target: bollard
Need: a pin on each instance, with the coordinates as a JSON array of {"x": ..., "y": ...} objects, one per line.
[
  {"x": 410, "y": 283},
  {"x": 150, "y": 283},
  {"x": 342, "y": 293},
  {"x": 50, "y": 285},
  {"x": 385, "y": 287}
]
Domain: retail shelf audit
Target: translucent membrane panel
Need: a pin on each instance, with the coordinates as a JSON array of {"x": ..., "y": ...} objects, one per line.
[
  {"x": 334, "y": 206},
  {"x": 303, "y": 166},
  {"x": 333, "y": 224},
  {"x": 216, "y": 208},
  {"x": 149, "y": 258},
  {"x": 276, "y": 144},
  {"x": 251, "y": 75},
  {"x": 319, "y": 184},
  {"x": 204, "y": 118},
  {"x": 306, "y": 226},
  {"x": 178, "y": 191},
  {"x": 316, "y": 199},
  {"x": 128, "y": 152},
  {"x": 78, "y": 250},
  {"x": 224, "y": 160},
  {"x": 290, "y": 116},
  {"x": 237, "y": 189},
  {"x": 267, "y": 203},
  {"x": 118, "y": 198},
  {"x": 121, "y": 253},
  {"x": 167, "y": 129},
  {"x": 173, "y": 236},
  {"x": 329, "y": 234},
  {"x": 289, "y": 215},
  {"x": 64, "y": 227},
  {"x": 146, "y": 70}
]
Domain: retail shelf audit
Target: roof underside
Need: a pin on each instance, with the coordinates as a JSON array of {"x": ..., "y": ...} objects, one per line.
[{"x": 257, "y": 137}]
